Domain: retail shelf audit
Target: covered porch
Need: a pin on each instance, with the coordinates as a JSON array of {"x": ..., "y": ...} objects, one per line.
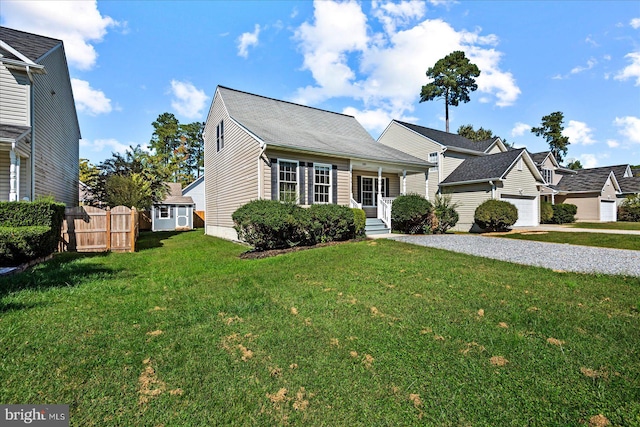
[
  {"x": 375, "y": 186},
  {"x": 15, "y": 164}
]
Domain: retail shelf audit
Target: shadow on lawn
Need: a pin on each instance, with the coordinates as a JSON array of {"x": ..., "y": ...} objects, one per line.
[
  {"x": 153, "y": 239},
  {"x": 60, "y": 271}
]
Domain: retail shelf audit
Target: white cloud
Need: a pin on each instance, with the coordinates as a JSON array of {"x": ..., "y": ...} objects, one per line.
[
  {"x": 612, "y": 143},
  {"x": 188, "y": 101},
  {"x": 247, "y": 40},
  {"x": 520, "y": 129},
  {"x": 630, "y": 128},
  {"x": 89, "y": 100},
  {"x": 109, "y": 144},
  {"x": 579, "y": 133},
  {"x": 385, "y": 70},
  {"x": 77, "y": 23},
  {"x": 632, "y": 70},
  {"x": 588, "y": 160},
  {"x": 591, "y": 41},
  {"x": 635, "y": 23},
  {"x": 590, "y": 64}
]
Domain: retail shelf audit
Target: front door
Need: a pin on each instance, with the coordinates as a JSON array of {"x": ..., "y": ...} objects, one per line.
[{"x": 369, "y": 192}]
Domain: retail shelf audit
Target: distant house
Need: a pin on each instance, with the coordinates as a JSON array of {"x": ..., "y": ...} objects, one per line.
[
  {"x": 175, "y": 212},
  {"x": 263, "y": 148},
  {"x": 470, "y": 171},
  {"x": 629, "y": 183},
  {"x": 195, "y": 190},
  {"x": 39, "y": 131}
]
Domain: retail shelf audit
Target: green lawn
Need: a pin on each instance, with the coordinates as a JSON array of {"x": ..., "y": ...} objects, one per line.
[
  {"x": 618, "y": 241},
  {"x": 620, "y": 225},
  {"x": 184, "y": 333}
]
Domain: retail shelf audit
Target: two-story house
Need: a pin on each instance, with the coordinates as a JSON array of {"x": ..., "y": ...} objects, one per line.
[{"x": 39, "y": 131}]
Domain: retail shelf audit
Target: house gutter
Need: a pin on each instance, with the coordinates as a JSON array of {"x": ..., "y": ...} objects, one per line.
[
  {"x": 493, "y": 189},
  {"x": 474, "y": 181},
  {"x": 33, "y": 135}
]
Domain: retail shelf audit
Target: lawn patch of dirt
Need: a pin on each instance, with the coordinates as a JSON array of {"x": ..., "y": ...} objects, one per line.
[
  {"x": 368, "y": 361},
  {"x": 254, "y": 254},
  {"x": 498, "y": 361},
  {"x": 592, "y": 373},
  {"x": 599, "y": 421},
  {"x": 155, "y": 333},
  {"x": 554, "y": 341},
  {"x": 503, "y": 325},
  {"x": 149, "y": 386}
]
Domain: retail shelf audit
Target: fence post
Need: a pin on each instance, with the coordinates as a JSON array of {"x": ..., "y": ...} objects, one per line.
[
  {"x": 108, "y": 229},
  {"x": 132, "y": 228}
]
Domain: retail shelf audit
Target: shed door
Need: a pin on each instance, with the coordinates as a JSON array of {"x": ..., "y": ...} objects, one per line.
[
  {"x": 527, "y": 210},
  {"x": 608, "y": 211},
  {"x": 182, "y": 216}
]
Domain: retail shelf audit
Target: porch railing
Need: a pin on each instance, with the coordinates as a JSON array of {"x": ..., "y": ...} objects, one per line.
[
  {"x": 354, "y": 204},
  {"x": 384, "y": 209}
]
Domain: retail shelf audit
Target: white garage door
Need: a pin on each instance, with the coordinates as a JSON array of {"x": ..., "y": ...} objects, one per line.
[
  {"x": 608, "y": 211},
  {"x": 527, "y": 210}
]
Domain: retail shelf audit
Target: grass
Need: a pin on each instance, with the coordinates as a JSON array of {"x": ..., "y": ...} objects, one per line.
[
  {"x": 185, "y": 333},
  {"x": 620, "y": 225},
  {"x": 617, "y": 241}
]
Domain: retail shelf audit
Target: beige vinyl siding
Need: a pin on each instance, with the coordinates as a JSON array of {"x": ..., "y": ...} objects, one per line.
[
  {"x": 231, "y": 177},
  {"x": 517, "y": 180},
  {"x": 5, "y": 164},
  {"x": 588, "y": 205},
  {"x": 609, "y": 190},
  {"x": 451, "y": 161},
  {"x": 15, "y": 100},
  {"x": 57, "y": 134},
  {"x": 468, "y": 198},
  {"x": 342, "y": 164},
  {"x": 403, "y": 139},
  {"x": 416, "y": 184},
  {"x": 495, "y": 149}
]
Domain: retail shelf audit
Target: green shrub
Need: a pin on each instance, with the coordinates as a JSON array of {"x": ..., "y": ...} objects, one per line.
[
  {"x": 546, "y": 212},
  {"x": 41, "y": 213},
  {"x": 22, "y": 244},
  {"x": 629, "y": 209},
  {"x": 564, "y": 213},
  {"x": 270, "y": 224},
  {"x": 496, "y": 215},
  {"x": 332, "y": 223},
  {"x": 411, "y": 214},
  {"x": 360, "y": 221},
  {"x": 446, "y": 216}
]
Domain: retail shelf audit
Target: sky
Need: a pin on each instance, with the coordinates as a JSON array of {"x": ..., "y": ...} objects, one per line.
[{"x": 131, "y": 61}]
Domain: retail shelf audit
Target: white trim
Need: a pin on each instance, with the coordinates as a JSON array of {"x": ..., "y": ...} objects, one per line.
[
  {"x": 330, "y": 167},
  {"x": 297, "y": 178},
  {"x": 374, "y": 190}
]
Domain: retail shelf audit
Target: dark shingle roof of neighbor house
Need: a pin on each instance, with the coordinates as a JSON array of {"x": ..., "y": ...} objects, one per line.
[
  {"x": 483, "y": 168},
  {"x": 288, "y": 125},
  {"x": 13, "y": 132},
  {"x": 449, "y": 139},
  {"x": 586, "y": 180},
  {"x": 539, "y": 157},
  {"x": 30, "y": 45},
  {"x": 630, "y": 185}
]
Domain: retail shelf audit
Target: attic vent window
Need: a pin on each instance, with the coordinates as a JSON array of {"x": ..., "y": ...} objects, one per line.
[
  {"x": 433, "y": 158},
  {"x": 220, "y": 136},
  {"x": 547, "y": 175}
]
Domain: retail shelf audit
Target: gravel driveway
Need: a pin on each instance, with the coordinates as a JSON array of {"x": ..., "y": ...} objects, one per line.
[{"x": 556, "y": 256}]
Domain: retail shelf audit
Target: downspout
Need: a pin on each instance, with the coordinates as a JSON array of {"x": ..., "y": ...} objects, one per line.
[
  {"x": 33, "y": 136},
  {"x": 493, "y": 190},
  {"x": 263, "y": 147}
]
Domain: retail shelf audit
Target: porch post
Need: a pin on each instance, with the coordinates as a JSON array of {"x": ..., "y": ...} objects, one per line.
[
  {"x": 553, "y": 198},
  {"x": 379, "y": 184},
  {"x": 350, "y": 182},
  {"x": 13, "y": 175},
  {"x": 404, "y": 181},
  {"x": 426, "y": 185}
]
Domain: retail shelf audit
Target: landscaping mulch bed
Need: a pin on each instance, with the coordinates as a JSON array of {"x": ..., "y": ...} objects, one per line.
[{"x": 255, "y": 254}]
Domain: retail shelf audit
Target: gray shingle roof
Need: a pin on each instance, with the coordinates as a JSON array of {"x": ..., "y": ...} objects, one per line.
[
  {"x": 482, "y": 168},
  {"x": 586, "y": 180},
  {"x": 13, "y": 132},
  {"x": 449, "y": 139},
  {"x": 538, "y": 158},
  {"x": 630, "y": 185},
  {"x": 30, "y": 45},
  {"x": 288, "y": 125}
]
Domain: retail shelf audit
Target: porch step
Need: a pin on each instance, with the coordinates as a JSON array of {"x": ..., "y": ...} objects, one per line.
[{"x": 375, "y": 226}]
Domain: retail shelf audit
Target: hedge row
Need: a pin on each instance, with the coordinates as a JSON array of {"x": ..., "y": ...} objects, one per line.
[
  {"x": 564, "y": 213},
  {"x": 629, "y": 209},
  {"x": 29, "y": 230},
  {"x": 270, "y": 224}
]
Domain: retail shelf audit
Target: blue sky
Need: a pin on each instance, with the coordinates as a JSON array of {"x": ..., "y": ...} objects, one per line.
[{"x": 132, "y": 61}]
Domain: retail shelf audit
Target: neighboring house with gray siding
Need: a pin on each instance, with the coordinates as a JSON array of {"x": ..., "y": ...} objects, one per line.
[
  {"x": 470, "y": 172},
  {"x": 195, "y": 190},
  {"x": 263, "y": 148},
  {"x": 174, "y": 213},
  {"x": 39, "y": 131}
]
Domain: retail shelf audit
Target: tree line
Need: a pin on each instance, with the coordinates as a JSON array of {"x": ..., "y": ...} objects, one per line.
[{"x": 137, "y": 176}]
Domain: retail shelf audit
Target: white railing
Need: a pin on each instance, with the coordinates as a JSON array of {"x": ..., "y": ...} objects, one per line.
[
  {"x": 354, "y": 204},
  {"x": 384, "y": 210}
]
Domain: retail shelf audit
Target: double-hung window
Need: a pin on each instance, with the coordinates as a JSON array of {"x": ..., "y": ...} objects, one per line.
[
  {"x": 288, "y": 181},
  {"x": 547, "y": 174},
  {"x": 164, "y": 212},
  {"x": 433, "y": 158},
  {"x": 321, "y": 184}
]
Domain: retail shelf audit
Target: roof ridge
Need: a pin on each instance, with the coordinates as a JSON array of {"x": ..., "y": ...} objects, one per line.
[{"x": 286, "y": 102}]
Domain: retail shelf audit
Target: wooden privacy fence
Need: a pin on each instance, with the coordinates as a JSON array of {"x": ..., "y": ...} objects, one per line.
[{"x": 91, "y": 229}]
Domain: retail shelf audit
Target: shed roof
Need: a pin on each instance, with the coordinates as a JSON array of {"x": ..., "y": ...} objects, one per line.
[
  {"x": 174, "y": 195},
  {"x": 294, "y": 126}
]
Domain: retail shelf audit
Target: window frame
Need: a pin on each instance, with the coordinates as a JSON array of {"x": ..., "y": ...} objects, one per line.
[
  {"x": 220, "y": 135},
  {"x": 297, "y": 181},
  {"x": 547, "y": 175},
  {"x": 437, "y": 158},
  {"x": 164, "y": 212},
  {"x": 328, "y": 185},
  {"x": 374, "y": 180}
]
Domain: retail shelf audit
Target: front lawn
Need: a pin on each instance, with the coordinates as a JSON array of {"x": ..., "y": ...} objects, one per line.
[
  {"x": 184, "y": 333},
  {"x": 620, "y": 225},
  {"x": 618, "y": 241}
]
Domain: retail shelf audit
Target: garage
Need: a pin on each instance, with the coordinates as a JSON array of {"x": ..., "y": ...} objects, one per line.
[
  {"x": 608, "y": 211},
  {"x": 527, "y": 210}
]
